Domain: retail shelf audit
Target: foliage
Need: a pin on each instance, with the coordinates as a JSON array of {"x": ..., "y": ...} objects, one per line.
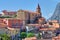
[
  {"x": 23, "y": 35},
  {"x": 30, "y": 35},
  {"x": 15, "y": 15},
  {"x": 39, "y": 35},
  {"x": 5, "y": 17},
  {"x": 5, "y": 37}
]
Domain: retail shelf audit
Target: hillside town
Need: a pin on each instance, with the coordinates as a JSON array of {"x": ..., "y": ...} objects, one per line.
[{"x": 28, "y": 25}]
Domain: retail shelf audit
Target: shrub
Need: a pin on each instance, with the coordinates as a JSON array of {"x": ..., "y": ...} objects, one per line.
[
  {"x": 23, "y": 35},
  {"x": 30, "y": 35}
]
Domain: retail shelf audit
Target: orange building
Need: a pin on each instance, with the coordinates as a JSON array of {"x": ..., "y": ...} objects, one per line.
[
  {"x": 14, "y": 23},
  {"x": 1, "y": 20},
  {"x": 3, "y": 23}
]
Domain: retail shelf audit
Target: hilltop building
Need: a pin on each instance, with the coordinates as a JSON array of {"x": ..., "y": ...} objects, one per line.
[
  {"x": 8, "y": 13},
  {"x": 29, "y": 16},
  {"x": 28, "y": 19},
  {"x": 14, "y": 23}
]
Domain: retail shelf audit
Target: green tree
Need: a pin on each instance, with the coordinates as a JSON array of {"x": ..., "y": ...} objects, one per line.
[
  {"x": 39, "y": 35},
  {"x": 30, "y": 35},
  {"x": 5, "y": 17},
  {"x": 5, "y": 37},
  {"x": 23, "y": 35},
  {"x": 15, "y": 15}
]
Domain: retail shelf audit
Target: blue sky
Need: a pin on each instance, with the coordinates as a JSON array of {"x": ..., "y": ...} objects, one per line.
[{"x": 47, "y": 6}]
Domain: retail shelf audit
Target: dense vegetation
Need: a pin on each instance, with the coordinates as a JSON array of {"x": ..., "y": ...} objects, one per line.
[{"x": 4, "y": 37}]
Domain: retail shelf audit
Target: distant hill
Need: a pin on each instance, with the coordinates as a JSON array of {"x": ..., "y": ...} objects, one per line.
[{"x": 56, "y": 14}]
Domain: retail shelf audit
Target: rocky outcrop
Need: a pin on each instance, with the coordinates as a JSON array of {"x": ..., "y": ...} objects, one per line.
[{"x": 56, "y": 14}]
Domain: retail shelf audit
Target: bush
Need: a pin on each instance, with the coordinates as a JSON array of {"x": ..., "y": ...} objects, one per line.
[
  {"x": 5, "y": 17},
  {"x": 15, "y": 15},
  {"x": 5, "y": 37},
  {"x": 23, "y": 35},
  {"x": 30, "y": 35}
]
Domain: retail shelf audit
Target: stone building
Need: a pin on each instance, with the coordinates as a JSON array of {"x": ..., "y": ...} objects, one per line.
[
  {"x": 14, "y": 23},
  {"x": 14, "y": 26},
  {"x": 29, "y": 16},
  {"x": 8, "y": 13}
]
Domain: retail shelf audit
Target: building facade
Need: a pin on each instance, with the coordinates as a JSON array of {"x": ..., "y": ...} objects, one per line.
[
  {"x": 8, "y": 13},
  {"x": 14, "y": 23},
  {"x": 29, "y": 16}
]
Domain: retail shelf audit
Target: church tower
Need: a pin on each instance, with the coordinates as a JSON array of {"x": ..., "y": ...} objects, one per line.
[{"x": 38, "y": 10}]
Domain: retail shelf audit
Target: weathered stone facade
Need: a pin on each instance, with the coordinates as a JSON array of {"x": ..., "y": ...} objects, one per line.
[{"x": 29, "y": 16}]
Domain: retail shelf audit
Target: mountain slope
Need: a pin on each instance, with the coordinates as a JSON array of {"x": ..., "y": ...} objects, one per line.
[{"x": 56, "y": 14}]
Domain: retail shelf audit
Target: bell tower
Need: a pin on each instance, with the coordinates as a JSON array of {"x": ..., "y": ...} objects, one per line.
[{"x": 38, "y": 10}]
